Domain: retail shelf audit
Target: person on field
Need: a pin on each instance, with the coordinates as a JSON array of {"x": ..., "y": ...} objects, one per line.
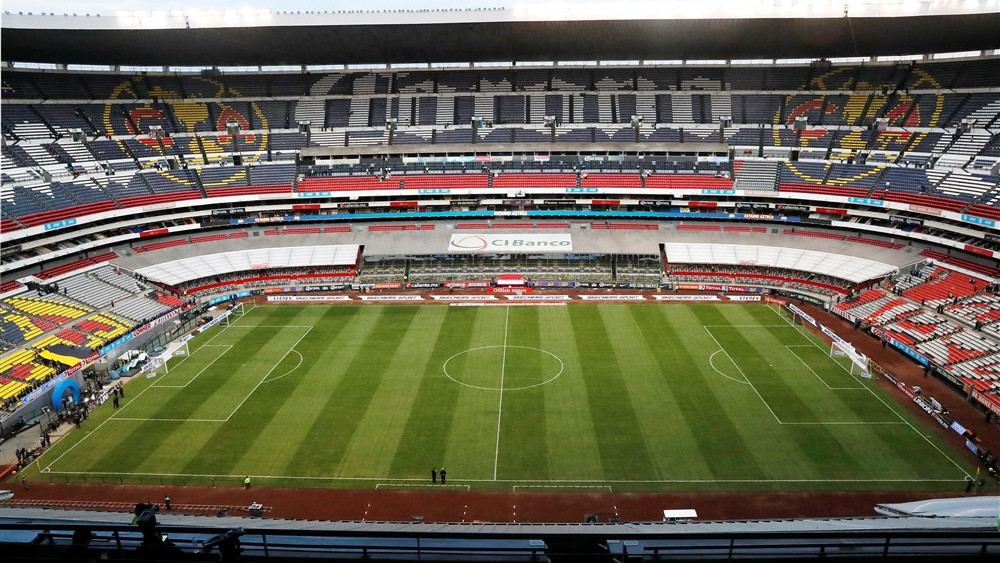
[
  {"x": 166, "y": 501},
  {"x": 444, "y": 476},
  {"x": 434, "y": 475},
  {"x": 246, "y": 483}
]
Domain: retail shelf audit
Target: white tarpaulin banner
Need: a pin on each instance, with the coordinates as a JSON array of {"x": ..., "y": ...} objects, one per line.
[
  {"x": 614, "y": 297},
  {"x": 538, "y": 297},
  {"x": 507, "y": 242},
  {"x": 391, "y": 298},
  {"x": 464, "y": 297}
]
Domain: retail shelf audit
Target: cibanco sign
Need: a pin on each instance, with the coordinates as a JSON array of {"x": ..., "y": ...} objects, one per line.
[{"x": 474, "y": 242}]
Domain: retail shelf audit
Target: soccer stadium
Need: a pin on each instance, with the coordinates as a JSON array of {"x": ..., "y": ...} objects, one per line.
[{"x": 607, "y": 282}]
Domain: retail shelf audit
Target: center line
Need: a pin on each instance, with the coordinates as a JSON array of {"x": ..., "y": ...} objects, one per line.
[{"x": 503, "y": 365}]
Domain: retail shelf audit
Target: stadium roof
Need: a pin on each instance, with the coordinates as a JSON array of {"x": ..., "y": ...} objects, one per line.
[
  {"x": 850, "y": 268},
  {"x": 223, "y": 263},
  {"x": 519, "y": 34}
]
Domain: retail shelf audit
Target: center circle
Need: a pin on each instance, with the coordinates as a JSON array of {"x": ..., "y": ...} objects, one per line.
[{"x": 503, "y": 368}]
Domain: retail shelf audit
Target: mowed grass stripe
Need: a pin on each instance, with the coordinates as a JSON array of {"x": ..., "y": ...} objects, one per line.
[
  {"x": 273, "y": 427},
  {"x": 470, "y": 450},
  {"x": 722, "y": 418},
  {"x": 424, "y": 435},
  {"x": 668, "y": 440},
  {"x": 363, "y": 361},
  {"x": 570, "y": 432},
  {"x": 524, "y": 450},
  {"x": 380, "y": 429},
  {"x": 623, "y": 451}
]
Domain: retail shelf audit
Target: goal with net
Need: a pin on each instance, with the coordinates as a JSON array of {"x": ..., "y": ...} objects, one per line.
[
  {"x": 155, "y": 366},
  {"x": 858, "y": 361},
  {"x": 234, "y": 314}
]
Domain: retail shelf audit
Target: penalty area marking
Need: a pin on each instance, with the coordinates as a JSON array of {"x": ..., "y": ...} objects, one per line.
[
  {"x": 297, "y": 353},
  {"x": 48, "y": 468},
  {"x": 768, "y": 406},
  {"x": 791, "y": 349},
  {"x": 227, "y": 347},
  {"x": 811, "y": 339},
  {"x": 711, "y": 362},
  {"x": 739, "y": 369}
]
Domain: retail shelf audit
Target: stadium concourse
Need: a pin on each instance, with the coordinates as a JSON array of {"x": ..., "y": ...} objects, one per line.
[{"x": 150, "y": 193}]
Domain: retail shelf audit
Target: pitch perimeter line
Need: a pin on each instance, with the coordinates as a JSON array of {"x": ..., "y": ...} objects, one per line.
[
  {"x": 809, "y": 338},
  {"x": 598, "y": 482},
  {"x": 231, "y": 324},
  {"x": 48, "y": 468},
  {"x": 503, "y": 367}
]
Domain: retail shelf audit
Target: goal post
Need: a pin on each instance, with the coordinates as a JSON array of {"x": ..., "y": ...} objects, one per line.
[
  {"x": 858, "y": 361},
  {"x": 154, "y": 366},
  {"x": 792, "y": 317},
  {"x": 234, "y": 314}
]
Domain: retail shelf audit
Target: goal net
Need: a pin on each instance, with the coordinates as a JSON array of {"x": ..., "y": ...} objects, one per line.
[
  {"x": 857, "y": 362},
  {"x": 791, "y": 316},
  {"x": 155, "y": 366},
  {"x": 234, "y": 314}
]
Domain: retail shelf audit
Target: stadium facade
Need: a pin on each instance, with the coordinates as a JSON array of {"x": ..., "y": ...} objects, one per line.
[{"x": 866, "y": 185}]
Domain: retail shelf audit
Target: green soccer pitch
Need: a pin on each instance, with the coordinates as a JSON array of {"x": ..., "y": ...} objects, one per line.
[{"x": 606, "y": 397}]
